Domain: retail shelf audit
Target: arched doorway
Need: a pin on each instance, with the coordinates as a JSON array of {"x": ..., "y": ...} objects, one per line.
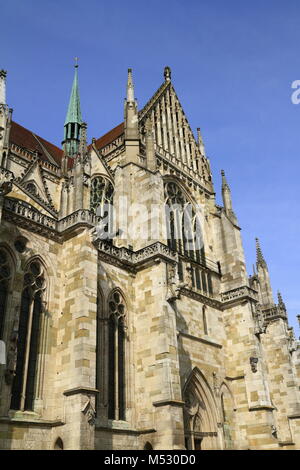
[
  {"x": 200, "y": 414},
  {"x": 59, "y": 445}
]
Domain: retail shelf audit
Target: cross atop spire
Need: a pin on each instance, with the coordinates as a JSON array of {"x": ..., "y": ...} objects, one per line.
[{"x": 259, "y": 256}]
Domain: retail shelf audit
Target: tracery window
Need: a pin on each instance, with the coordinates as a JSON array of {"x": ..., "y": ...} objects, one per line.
[
  {"x": 183, "y": 224},
  {"x": 184, "y": 235},
  {"x": 101, "y": 202},
  {"x": 31, "y": 187},
  {"x": 23, "y": 388},
  {"x": 116, "y": 357},
  {"x": 5, "y": 277}
]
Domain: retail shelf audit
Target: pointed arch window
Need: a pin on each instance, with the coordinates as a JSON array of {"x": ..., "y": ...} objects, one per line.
[
  {"x": 183, "y": 225},
  {"x": 116, "y": 357},
  {"x": 184, "y": 235},
  {"x": 101, "y": 202},
  {"x": 5, "y": 277},
  {"x": 24, "y": 384}
]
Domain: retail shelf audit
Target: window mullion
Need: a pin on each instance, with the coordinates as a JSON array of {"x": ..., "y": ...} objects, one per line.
[
  {"x": 27, "y": 352},
  {"x": 116, "y": 370}
]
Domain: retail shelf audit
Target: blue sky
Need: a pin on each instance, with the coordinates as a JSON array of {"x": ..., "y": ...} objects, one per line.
[{"x": 232, "y": 64}]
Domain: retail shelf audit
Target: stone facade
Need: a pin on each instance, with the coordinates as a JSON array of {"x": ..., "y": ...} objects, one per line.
[{"x": 133, "y": 342}]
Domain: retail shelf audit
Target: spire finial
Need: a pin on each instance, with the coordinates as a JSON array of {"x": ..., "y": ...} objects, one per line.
[
  {"x": 225, "y": 184},
  {"x": 3, "y": 86},
  {"x": 201, "y": 143},
  {"x": 167, "y": 73},
  {"x": 281, "y": 303},
  {"x": 76, "y": 62},
  {"x": 130, "y": 87},
  {"x": 259, "y": 256}
]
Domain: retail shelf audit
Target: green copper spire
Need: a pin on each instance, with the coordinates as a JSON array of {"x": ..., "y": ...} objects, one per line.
[{"x": 73, "y": 119}]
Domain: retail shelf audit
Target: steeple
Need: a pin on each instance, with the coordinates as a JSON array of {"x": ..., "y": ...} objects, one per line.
[{"x": 73, "y": 120}]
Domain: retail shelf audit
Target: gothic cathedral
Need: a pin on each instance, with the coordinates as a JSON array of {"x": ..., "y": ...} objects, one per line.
[{"x": 127, "y": 317}]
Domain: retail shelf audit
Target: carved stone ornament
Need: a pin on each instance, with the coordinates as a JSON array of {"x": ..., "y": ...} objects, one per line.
[
  {"x": 173, "y": 289},
  {"x": 12, "y": 351},
  {"x": 253, "y": 363},
  {"x": 89, "y": 411}
]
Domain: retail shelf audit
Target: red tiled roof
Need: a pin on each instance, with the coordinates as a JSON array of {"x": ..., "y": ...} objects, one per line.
[
  {"x": 27, "y": 140},
  {"x": 110, "y": 136}
]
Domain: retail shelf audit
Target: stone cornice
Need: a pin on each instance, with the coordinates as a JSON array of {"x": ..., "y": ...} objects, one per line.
[
  {"x": 118, "y": 430},
  {"x": 134, "y": 260},
  {"x": 177, "y": 403},
  {"x": 81, "y": 390},
  {"x": 238, "y": 295},
  {"x": 25, "y": 421}
]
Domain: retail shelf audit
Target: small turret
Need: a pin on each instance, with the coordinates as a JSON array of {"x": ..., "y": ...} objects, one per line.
[
  {"x": 131, "y": 112},
  {"x": 131, "y": 121},
  {"x": 5, "y": 121},
  {"x": 227, "y": 201}
]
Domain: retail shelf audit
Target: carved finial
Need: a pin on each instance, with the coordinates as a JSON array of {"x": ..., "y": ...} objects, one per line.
[
  {"x": 259, "y": 256},
  {"x": 200, "y": 142},
  {"x": 130, "y": 87},
  {"x": 3, "y": 74},
  {"x": 281, "y": 304},
  {"x": 225, "y": 184},
  {"x": 167, "y": 74}
]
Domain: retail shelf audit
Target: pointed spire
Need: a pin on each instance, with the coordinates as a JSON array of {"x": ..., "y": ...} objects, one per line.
[
  {"x": 130, "y": 88},
  {"x": 201, "y": 143},
  {"x": 131, "y": 111},
  {"x": 225, "y": 185},
  {"x": 74, "y": 111},
  {"x": 259, "y": 256},
  {"x": 73, "y": 119},
  {"x": 3, "y": 87}
]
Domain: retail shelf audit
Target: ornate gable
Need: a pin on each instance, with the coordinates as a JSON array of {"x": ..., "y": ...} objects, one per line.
[{"x": 174, "y": 139}]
